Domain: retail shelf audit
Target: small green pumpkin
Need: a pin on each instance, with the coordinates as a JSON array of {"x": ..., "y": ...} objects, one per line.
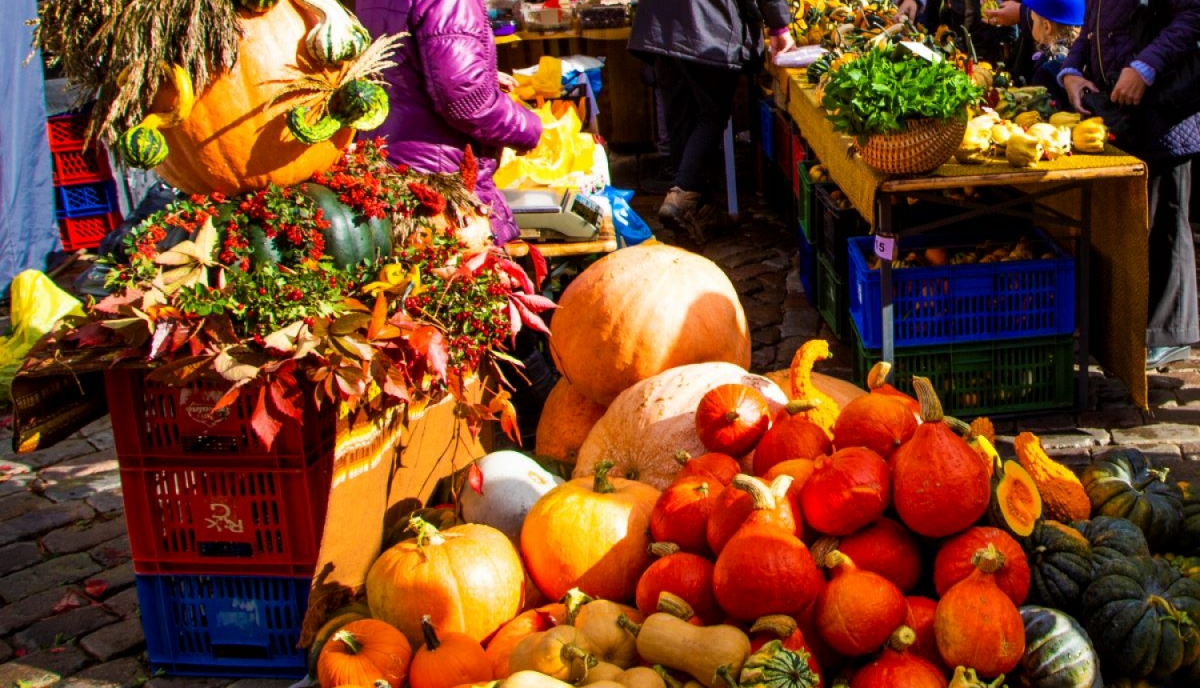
[
  {"x": 311, "y": 132},
  {"x": 1058, "y": 652},
  {"x": 359, "y": 104},
  {"x": 775, "y": 666},
  {"x": 1123, "y": 483},
  {"x": 142, "y": 147},
  {"x": 1112, "y": 538},
  {"x": 1138, "y": 612},
  {"x": 338, "y": 35},
  {"x": 1060, "y": 565}
]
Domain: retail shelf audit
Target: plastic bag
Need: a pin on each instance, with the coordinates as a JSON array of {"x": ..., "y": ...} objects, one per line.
[
  {"x": 37, "y": 306},
  {"x": 562, "y": 156},
  {"x": 630, "y": 227}
]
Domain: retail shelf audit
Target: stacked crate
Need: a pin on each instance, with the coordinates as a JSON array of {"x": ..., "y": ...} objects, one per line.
[
  {"x": 994, "y": 337},
  {"x": 85, "y": 193},
  {"x": 837, "y": 222},
  {"x": 224, "y": 532}
]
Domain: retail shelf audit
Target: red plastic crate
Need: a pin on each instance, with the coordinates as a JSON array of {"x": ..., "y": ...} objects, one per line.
[
  {"x": 81, "y": 166},
  {"x": 86, "y": 232},
  {"x": 66, "y": 132},
  {"x": 206, "y": 517},
  {"x": 156, "y": 419}
]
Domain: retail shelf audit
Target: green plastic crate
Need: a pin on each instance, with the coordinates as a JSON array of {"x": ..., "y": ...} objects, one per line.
[
  {"x": 985, "y": 378},
  {"x": 810, "y": 221},
  {"x": 833, "y": 298}
]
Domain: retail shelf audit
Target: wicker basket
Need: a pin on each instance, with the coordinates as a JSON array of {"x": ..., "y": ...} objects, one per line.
[{"x": 922, "y": 148}]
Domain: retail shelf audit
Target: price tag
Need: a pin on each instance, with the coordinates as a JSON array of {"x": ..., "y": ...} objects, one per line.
[
  {"x": 885, "y": 247},
  {"x": 920, "y": 50}
]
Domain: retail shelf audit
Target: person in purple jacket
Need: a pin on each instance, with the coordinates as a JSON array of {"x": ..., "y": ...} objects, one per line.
[
  {"x": 445, "y": 94},
  {"x": 1106, "y": 58}
]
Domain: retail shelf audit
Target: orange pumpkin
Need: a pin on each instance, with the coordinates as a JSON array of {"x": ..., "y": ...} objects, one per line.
[
  {"x": 710, "y": 465},
  {"x": 688, "y": 576},
  {"x": 920, "y": 616},
  {"x": 590, "y": 533},
  {"x": 764, "y": 568},
  {"x": 363, "y": 652},
  {"x": 732, "y": 418},
  {"x": 525, "y": 624},
  {"x": 876, "y": 421},
  {"x": 235, "y": 138},
  {"x": 567, "y": 418},
  {"x": 898, "y": 665},
  {"x": 791, "y": 436},
  {"x": 877, "y": 384},
  {"x": 976, "y": 623},
  {"x": 887, "y": 548},
  {"x": 448, "y": 660},
  {"x": 611, "y": 328},
  {"x": 847, "y": 490},
  {"x": 858, "y": 610},
  {"x": 749, "y": 497},
  {"x": 954, "y": 557},
  {"x": 468, "y": 579},
  {"x": 939, "y": 485},
  {"x": 682, "y": 511}
]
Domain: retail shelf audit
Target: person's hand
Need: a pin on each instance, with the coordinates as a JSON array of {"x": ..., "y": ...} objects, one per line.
[
  {"x": 782, "y": 43},
  {"x": 1129, "y": 88},
  {"x": 1075, "y": 86},
  {"x": 508, "y": 83},
  {"x": 1009, "y": 14},
  {"x": 909, "y": 8}
]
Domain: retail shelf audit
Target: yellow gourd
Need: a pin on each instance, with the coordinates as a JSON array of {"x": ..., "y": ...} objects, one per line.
[
  {"x": 1056, "y": 141},
  {"x": 1001, "y": 133},
  {"x": 1027, "y": 119},
  {"x": 975, "y": 146},
  {"x": 555, "y": 653},
  {"x": 1023, "y": 150},
  {"x": 1090, "y": 135},
  {"x": 1065, "y": 119},
  {"x": 825, "y": 410},
  {"x": 713, "y": 655},
  {"x": 1063, "y": 496}
]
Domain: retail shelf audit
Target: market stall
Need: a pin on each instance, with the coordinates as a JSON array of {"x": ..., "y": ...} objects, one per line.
[{"x": 1095, "y": 199}]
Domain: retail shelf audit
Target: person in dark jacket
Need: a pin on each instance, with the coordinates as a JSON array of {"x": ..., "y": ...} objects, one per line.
[
  {"x": 699, "y": 49},
  {"x": 1107, "y": 59},
  {"x": 446, "y": 94},
  {"x": 1052, "y": 27}
]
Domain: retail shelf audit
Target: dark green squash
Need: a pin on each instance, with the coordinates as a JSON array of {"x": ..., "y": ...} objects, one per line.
[
  {"x": 1189, "y": 532},
  {"x": 349, "y": 240},
  {"x": 1058, "y": 652},
  {"x": 1123, "y": 483},
  {"x": 1060, "y": 565},
  {"x": 1112, "y": 538},
  {"x": 1138, "y": 612}
]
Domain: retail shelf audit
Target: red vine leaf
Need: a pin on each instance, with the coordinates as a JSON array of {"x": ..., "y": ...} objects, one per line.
[
  {"x": 264, "y": 425},
  {"x": 540, "y": 268},
  {"x": 475, "y": 478},
  {"x": 284, "y": 398},
  {"x": 430, "y": 344}
]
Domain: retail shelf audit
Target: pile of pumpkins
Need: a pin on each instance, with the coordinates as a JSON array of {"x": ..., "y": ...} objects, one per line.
[{"x": 721, "y": 532}]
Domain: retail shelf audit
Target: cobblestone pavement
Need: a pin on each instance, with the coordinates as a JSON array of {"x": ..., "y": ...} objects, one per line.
[{"x": 68, "y": 609}]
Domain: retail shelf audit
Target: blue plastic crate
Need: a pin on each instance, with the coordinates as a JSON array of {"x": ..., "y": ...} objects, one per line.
[
  {"x": 807, "y": 266},
  {"x": 83, "y": 200},
  {"x": 766, "y": 128},
  {"x": 967, "y": 302},
  {"x": 231, "y": 626}
]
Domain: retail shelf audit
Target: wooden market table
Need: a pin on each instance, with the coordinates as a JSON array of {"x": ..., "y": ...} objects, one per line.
[{"x": 1097, "y": 200}]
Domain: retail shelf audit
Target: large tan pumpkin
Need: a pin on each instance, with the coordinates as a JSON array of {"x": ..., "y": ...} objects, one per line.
[
  {"x": 235, "y": 140},
  {"x": 640, "y": 311},
  {"x": 841, "y": 391},
  {"x": 654, "y": 419},
  {"x": 566, "y": 419}
]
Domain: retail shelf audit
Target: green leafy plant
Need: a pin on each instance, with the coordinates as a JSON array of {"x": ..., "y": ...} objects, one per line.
[{"x": 878, "y": 91}]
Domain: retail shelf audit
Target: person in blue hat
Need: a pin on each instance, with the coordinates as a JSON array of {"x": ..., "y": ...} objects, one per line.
[{"x": 1052, "y": 26}]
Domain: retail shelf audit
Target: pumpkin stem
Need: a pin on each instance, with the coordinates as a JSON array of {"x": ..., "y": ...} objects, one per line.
[
  {"x": 725, "y": 673},
  {"x": 600, "y": 482},
  {"x": 347, "y": 638},
  {"x": 988, "y": 559},
  {"x": 823, "y": 547},
  {"x": 1155, "y": 475},
  {"x": 674, "y": 605},
  {"x": 959, "y": 426},
  {"x": 902, "y": 638},
  {"x": 931, "y": 406},
  {"x": 668, "y": 679},
  {"x": 430, "y": 633},
  {"x": 836, "y": 561},
  {"x": 682, "y": 457},
  {"x": 570, "y": 652},
  {"x": 624, "y": 622},
  {"x": 780, "y": 485},
  {"x": 780, "y": 625},
  {"x": 801, "y": 405},
  {"x": 732, "y": 416},
  {"x": 381, "y": 683},
  {"x": 763, "y": 499},
  {"x": 574, "y": 601},
  {"x": 662, "y": 549},
  {"x": 878, "y": 375},
  {"x": 427, "y": 533}
]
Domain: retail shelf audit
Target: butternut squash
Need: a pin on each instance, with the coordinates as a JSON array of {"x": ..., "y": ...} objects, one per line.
[
  {"x": 713, "y": 655},
  {"x": 555, "y": 653},
  {"x": 601, "y": 636},
  {"x": 603, "y": 671},
  {"x": 641, "y": 677},
  {"x": 531, "y": 679}
]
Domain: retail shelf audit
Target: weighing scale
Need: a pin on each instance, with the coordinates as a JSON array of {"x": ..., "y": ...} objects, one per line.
[{"x": 554, "y": 214}]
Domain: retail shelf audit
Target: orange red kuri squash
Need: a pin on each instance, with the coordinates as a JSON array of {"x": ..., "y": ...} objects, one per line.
[
  {"x": 748, "y": 496},
  {"x": 681, "y": 513},
  {"x": 920, "y": 615},
  {"x": 363, "y": 652},
  {"x": 590, "y": 533},
  {"x": 732, "y": 418},
  {"x": 686, "y": 575},
  {"x": 846, "y": 491},
  {"x": 524, "y": 624},
  {"x": 899, "y": 666},
  {"x": 887, "y": 548},
  {"x": 448, "y": 660},
  {"x": 878, "y": 421},
  {"x": 858, "y": 610},
  {"x": 791, "y": 436},
  {"x": 954, "y": 561},
  {"x": 719, "y": 467},
  {"x": 976, "y": 623}
]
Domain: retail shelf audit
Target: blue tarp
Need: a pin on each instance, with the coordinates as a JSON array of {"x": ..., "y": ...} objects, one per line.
[{"x": 28, "y": 230}]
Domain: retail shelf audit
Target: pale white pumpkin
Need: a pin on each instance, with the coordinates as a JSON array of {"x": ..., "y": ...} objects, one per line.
[
  {"x": 512, "y": 482},
  {"x": 649, "y": 423}
]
